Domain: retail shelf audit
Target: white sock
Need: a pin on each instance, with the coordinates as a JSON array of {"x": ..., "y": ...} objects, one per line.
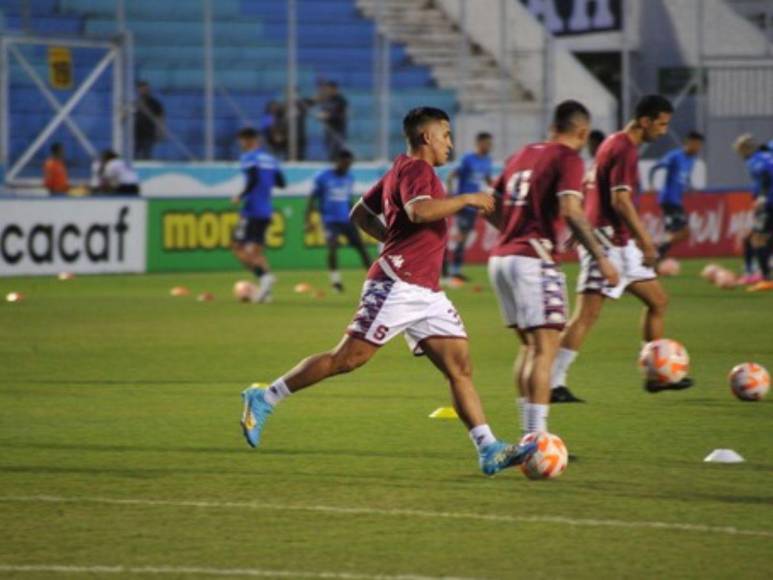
[
  {"x": 482, "y": 436},
  {"x": 538, "y": 417},
  {"x": 564, "y": 360},
  {"x": 277, "y": 392},
  {"x": 335, "y": 277},
  {"x": 523, "y": 412}
]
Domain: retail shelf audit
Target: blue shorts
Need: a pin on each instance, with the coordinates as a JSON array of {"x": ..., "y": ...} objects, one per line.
[
  {"x": 675, "y": 217},
  {"x": 335, "y": 229},
  {"x": 251, "y": 230}
]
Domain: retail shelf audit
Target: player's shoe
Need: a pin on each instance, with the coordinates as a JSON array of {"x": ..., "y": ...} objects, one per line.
[
  {"x": 263, "y": 295},
  {"x": 562, "y": 394},
  {"x": 750, "y": 279},
  {"x": 338, "y": 287},
  {"x": 497, "y": 456},
  {"x": 655, "y": 387},
  {"x": 256, "y": 411},
  {"x": 460, "y": 277}
]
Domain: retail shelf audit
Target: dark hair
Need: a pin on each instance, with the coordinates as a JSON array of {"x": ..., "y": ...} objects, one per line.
[
  {"x": 416, "y": 118},
  {"x": 652, "y": 106},
  {"x": 483, "y": 135},
  {"x": 247, "y": 133},
  {"x": 56, "y": 148},
  {"x": 695, "y": 136},
  {"x": 566, "y": 115},
  {"x": 596, "y": 136},
  {"x": 344, "y": 154}
]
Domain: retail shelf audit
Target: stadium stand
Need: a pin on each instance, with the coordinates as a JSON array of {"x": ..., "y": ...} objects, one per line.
[{"x": 250, "y": 70}]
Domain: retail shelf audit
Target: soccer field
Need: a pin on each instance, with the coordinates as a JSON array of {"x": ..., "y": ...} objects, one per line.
[{"x": 120, "y": 445}]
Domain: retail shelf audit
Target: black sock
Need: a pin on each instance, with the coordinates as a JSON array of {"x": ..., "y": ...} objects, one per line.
[
  {"x": 748, "y": 256},
  {"x": 258, "y": 271},
  {"x": 763, "y": 259}
]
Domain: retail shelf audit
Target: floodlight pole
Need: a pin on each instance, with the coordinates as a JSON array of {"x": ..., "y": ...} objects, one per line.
[
  {"x": 292, "y": 79},
  {"x": 625, "y": 63}
]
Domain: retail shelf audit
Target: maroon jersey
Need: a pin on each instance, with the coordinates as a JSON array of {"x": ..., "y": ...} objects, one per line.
[
  {"x": 533, "y": 180},
  {"x": 617, "y": 167},
  {"x": 412, "y": 252}
]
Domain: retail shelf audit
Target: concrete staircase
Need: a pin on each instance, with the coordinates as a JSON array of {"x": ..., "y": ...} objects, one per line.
[{"x": 433, "y": 39}]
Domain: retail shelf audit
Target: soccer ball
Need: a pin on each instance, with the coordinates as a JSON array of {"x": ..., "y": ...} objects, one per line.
[
  {"x": 664, "y": 361},
  {"x": 710, "y": 271},
  {"x": 724, "y": 278},
  {"x": 244, "y": 290},
  {"x": 749, "y": 381},
  {"x": 550, "y": 458}
]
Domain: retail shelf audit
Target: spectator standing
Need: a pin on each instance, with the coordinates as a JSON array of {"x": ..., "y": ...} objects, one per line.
[
  {"x": 55, "y": 176},
  {"x": 333, "y": 113},
  {"x": 111, "y": 174},
  {"x": 148, "y": 122}
]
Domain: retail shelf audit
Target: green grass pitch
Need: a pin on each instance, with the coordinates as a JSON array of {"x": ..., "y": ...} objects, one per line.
[{"x": 120, "y": 443}]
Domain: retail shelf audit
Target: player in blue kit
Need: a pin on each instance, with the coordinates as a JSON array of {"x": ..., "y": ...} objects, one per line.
[
  {"x": 474, "y": 174},
  {"x": 678, "y": 164},
  {"x": 261, "y": 174},
  {"x": 759, "y": 164},
  {"x": 332, "y": 195}
]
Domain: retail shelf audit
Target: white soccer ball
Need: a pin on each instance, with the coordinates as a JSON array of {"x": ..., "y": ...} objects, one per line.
[
  {"x": 550, "y": 458},
  {"x": 664, "y": 361},
  {"x": 669, "y": 267},
  {"x": 244, "y": 291},
  {"x": 749, "y": 381}
]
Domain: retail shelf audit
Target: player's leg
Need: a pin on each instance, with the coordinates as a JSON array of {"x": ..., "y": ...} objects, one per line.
[
  {"x": 760, "y": 242},
  {"x": 350, "y": 354},
  {"x": 355, "y": 241},
  {"x": 587, "y": 309},
  {"x": 655, "y": 300},
  {"x": 451, "y": 356},
  {"x": 521, "y": 373},
  {"x": 676, "y": 225},
  {"x": 331, "y": 239},
  {"x": 464, "y": 224},
  {"x": 543, "y": 343}
]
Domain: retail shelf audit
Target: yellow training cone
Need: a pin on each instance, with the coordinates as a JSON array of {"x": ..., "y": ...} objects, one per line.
[{"x": 444, "y": 413}]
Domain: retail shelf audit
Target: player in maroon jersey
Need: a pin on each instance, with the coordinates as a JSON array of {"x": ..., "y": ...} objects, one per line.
[
  {"x": 626, "y": 240},
  {"x": 540, "y": 185},
  {"x": 402, "y": 293}
]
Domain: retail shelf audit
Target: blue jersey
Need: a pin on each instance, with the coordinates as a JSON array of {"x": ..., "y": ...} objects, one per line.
[
  {"x": 760, "y": 167},
  {"x": 678, "y": 166},
  {"x": 474, "y": 172},
  {"x": 257, "y": 201},
  {"x": 334, "y": 193}
]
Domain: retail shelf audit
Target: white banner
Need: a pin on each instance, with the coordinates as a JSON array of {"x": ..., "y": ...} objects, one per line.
[{"x": 44, "y": 236}]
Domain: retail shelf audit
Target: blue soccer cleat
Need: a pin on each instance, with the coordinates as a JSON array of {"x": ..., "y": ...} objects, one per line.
[
  {"x": 497, "y": 456},
  {"x": 256, "y": 411}
]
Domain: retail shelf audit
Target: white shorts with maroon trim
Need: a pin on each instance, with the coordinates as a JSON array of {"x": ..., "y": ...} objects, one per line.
[
  {"x": 389, "y": 307},
  {"x": 531, "y": 292},
  {"x": 628, "y": 261}
]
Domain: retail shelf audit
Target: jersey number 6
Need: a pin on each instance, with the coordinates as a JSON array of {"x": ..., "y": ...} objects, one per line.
[{"x": 518, "y": 187}]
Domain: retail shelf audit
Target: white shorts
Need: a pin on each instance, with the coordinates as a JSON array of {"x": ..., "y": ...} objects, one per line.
[
  {"x": 531, "y": 292},
  {"x": 389, "y": 307},
  {"x": 628, "y": 261}
]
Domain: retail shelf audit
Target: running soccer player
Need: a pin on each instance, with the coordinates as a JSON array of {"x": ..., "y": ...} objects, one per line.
[
  {"x": 261, "y": 174},
  {"x": 332, "y": 194},
  {"x": 402, "y": 293},
  {"x": 626, "y": 241},
  {"x": 759, "y": 164},
  {"x": 541, "y": 183},
  {"x": 473, "y": 175},
  {"x": 678, "y": 164}
]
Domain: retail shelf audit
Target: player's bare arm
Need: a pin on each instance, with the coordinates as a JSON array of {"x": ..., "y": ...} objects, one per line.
[
  {"x": 432, "y": 210},
  {"x": 367, "y": 221},
  {"x": 623, "y": 206},
  {"x": 570, "y": 207}
]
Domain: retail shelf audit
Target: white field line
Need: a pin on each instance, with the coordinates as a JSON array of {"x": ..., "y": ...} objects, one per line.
[
  {"x": 365, "y": 511},
  {"x": 191, "y": 571}
]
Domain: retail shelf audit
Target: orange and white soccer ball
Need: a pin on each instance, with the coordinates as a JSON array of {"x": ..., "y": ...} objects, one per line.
[
  {"x": 244, "y": 290},
  {"x": 664, "y": 361},
  {"x": 749, "y": 381},
  {"x": 550, "y": 458}
]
